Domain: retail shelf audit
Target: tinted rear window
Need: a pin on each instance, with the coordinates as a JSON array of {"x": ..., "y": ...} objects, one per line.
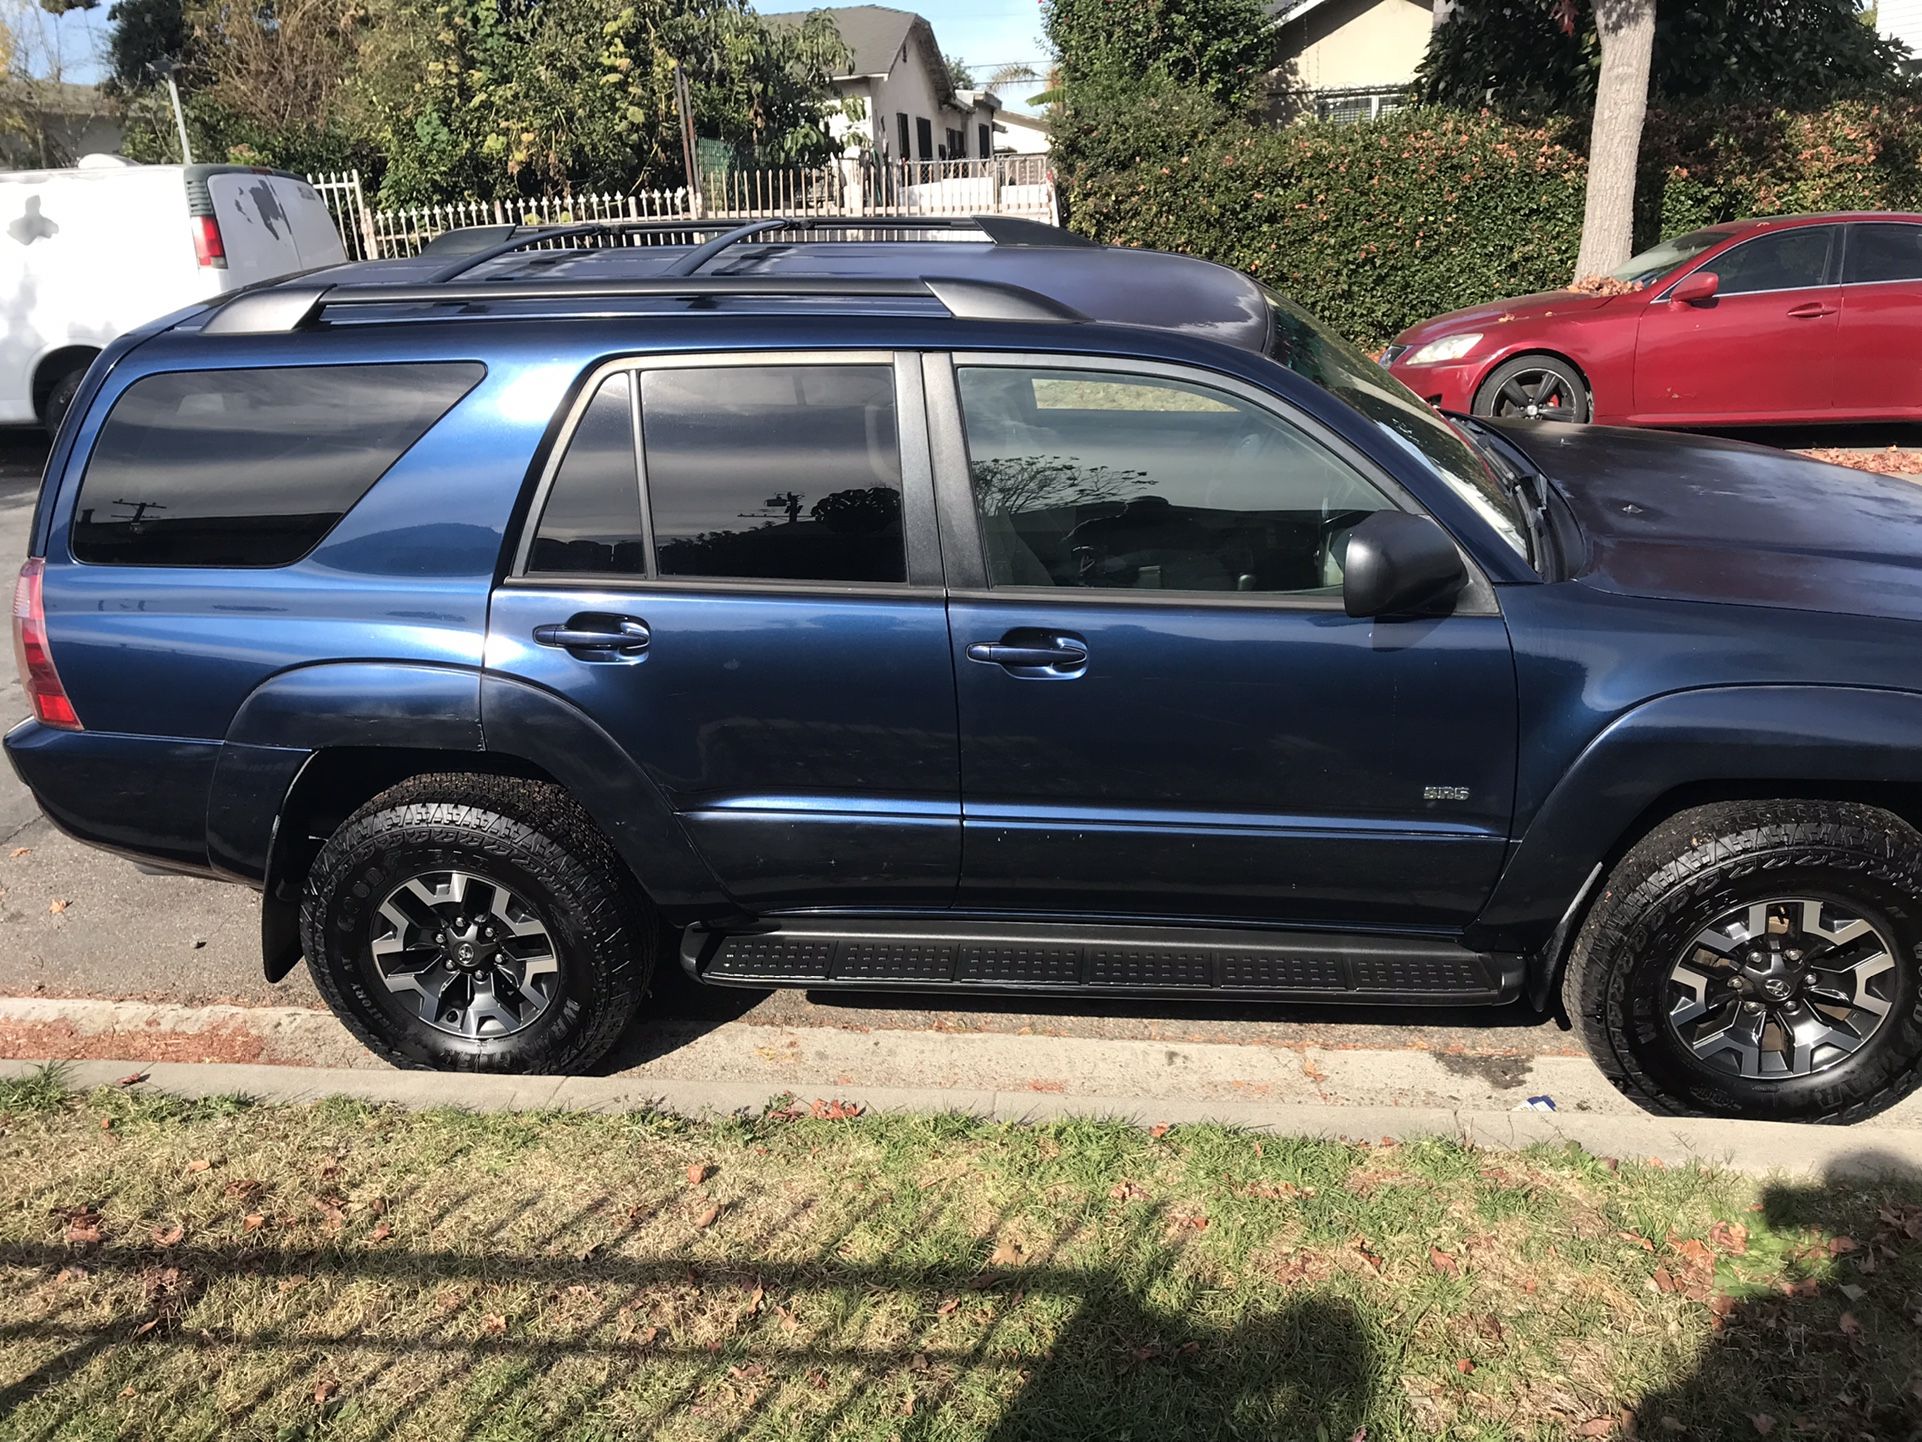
[{"x": 250, "y": 467}]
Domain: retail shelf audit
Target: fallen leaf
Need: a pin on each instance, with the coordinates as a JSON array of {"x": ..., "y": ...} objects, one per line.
[
  {"x": 1842, "y": 1246},
  {"x": 132, "y": 1079},
  {"x": 241, "y": 1188},
  {"x": 709, "y": 1217},
  {"x": 1443, "y": 1263},
  {"x": 72, "y": 1274},
  {"x": 197, "y": 1165},
  {"x": 83, "y": 1228},
  {"x": 106, "y": 1124},
  {"x": 168, "y": 1237},
  {"x": 1127, "y": 1191},
  {"x": 835, "y": 1111},
  {"x": 1762, "y": 1423},
  {"x": 948, "y": 1304},
  {"x": 1367, "y": 1256},
  {"x": 1159, "y": 1130},
  {"x": 1464, "y": 1366},
  {"x": 1664, "y": 1280},
  {"x": 1731, "y": 1237},
  {"x": 254, "y": 1222},
  {"x": 56, "y": 906},
  {"x": 147, "y": 1326},
  {"x": 381, "y": 1233},
  {"x": 1670, "y": 1424},
  {"x": 493, "y": 1324},
  {"x": 324, "y": 1391},
  {"x": 1638, "y": 1239},
  {"x": 1693, "y": 1252},
  {"x": 1848, "y": 1326},
  {"x": 1853, "y": 1292},
  {"x": 698, "y": 1172},
  {"x": 20, "y": 851},
  {"x": 1005, "y": 1255},
  {"x": 1596, "y": 1427}
]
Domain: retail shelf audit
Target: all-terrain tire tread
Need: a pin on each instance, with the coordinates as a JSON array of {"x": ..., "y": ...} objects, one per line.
[
  {"x": 1685, "y": 858},
  {"x": 540, "y": 827}
]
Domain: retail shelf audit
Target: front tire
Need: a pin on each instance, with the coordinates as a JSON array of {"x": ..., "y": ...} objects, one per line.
[
  {"x": 477, "y": 923},
  {"x": 1535, "y": 388},
  {"x": 1758, "y": 959}
]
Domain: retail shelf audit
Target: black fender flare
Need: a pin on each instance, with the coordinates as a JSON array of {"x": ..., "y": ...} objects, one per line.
[{"x": 1745, "y": 737}]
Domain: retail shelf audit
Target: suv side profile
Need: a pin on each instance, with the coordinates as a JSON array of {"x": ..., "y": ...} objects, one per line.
[{"x": 969, "y": 607}]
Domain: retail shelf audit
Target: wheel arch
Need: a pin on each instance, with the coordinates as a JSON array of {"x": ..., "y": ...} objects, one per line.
[
  {"x": 313, "y": 745},
  {"x": 1821, "y": 743}
]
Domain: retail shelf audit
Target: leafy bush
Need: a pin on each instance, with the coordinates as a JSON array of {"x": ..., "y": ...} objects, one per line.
[
  {"x": 1218, "y": 47},
  {"x": 1378, "y": 225}
]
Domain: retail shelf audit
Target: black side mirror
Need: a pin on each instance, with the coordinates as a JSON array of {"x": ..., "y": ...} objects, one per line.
[{"x": 1400, "y": 565}]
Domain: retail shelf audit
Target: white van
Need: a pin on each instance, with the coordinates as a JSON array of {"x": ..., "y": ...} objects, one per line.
[{"x": 90, "y": 252}]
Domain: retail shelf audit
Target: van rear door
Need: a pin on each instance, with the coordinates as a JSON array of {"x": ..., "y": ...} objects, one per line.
[{"x": 267, "y": 226}]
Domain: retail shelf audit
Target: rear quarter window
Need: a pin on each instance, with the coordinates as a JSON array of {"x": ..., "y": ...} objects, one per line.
[{"x": 250, "y": 467}]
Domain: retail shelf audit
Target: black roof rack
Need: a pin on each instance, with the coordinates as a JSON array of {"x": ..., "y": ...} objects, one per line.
[
  {"x": 473, "y": 246},
  {"x": 290, "y": 307}
]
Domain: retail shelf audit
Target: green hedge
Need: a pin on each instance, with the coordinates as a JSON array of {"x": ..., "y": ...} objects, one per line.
[{"x": 1378, "y": 225}]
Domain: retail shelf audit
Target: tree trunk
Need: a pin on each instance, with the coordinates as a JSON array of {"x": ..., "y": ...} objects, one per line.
[{"x": 1627, "y": 31}]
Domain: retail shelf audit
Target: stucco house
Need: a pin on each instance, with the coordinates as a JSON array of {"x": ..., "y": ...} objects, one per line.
[
  {"x": 899, "y": 76},
  {"x": 1346, "y": 59},
  {"x": 1901, "y": 20}
]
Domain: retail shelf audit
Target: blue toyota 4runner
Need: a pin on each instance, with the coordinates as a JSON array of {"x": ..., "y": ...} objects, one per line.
[{"x": 970, "y": 608}]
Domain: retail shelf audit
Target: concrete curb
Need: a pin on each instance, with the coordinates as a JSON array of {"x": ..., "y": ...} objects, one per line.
[{"x": 1759, "y": 1147}]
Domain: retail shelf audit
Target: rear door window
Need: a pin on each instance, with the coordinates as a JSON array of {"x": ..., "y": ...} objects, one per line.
[
  {"x": 250, "y": 467},
  {"x": 774, "y": 472},
  {"x": 591, "y": 523},
  {"x": 1882, "y": 252}
]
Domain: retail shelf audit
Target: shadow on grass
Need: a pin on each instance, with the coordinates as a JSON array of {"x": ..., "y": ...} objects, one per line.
[
  {"x": 1834, "y": 1353},
  {"x": 1036, "y": 1349}
]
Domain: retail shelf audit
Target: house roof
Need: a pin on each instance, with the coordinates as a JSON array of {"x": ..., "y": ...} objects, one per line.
[{"x": 875, "y": 33}]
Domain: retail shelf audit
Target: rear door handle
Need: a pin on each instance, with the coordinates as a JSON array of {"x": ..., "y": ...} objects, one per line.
[
  {"x": 1056, "y": 655},
  {"x": 1810, "y": 310},
  {"x": 620, "y": 635}
]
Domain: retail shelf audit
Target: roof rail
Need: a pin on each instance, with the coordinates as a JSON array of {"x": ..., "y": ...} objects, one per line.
[{"x": 287, "y": 308}]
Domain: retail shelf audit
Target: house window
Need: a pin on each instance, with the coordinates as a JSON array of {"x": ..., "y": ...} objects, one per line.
[
  {"x": 901, "y": 130},
  {"x": 1345, "y": 107},
  {"x": 957, "y": 145},
  {"x": 924, "y": 134},
  {"x": 985, "y": 136}
]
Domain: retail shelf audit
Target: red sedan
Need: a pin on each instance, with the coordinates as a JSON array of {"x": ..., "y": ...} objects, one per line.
[{"x": 1798, "y": 318}]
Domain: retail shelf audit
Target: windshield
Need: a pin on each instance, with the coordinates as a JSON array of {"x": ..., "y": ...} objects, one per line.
[
  {"x": 1297, "y": 341},
  {"x": 1658, "y": 260}
]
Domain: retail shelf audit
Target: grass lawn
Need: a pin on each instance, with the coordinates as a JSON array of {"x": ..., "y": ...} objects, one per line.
[{"x": 226, "y": 1270}]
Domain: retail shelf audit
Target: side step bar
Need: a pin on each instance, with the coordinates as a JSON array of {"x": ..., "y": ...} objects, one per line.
[{"x": 941, "y": 955}]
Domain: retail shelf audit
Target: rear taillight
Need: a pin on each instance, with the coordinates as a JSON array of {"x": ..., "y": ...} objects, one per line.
[
  {"x": 50, "y": 704},
  {"x": 209, "y": 249}
]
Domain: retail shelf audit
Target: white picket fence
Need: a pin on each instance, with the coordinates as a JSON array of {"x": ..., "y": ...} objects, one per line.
[{"x": 1007, "y": 185}]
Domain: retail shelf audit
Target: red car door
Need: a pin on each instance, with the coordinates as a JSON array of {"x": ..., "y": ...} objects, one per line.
[
  {"x": 1762, "y": 348},
  {"x": 1878, "y": 369}
]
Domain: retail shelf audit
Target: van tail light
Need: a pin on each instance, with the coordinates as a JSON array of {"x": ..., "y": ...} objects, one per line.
[
  {"x": 209, "y": 249},
  {"x": 50, "y": 704}
]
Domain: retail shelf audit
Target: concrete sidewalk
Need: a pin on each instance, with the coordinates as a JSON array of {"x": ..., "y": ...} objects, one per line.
[{"x": 1759, "y": 1147}]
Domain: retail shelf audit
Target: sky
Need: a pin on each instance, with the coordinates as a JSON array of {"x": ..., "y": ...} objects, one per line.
[{"x": 985, "y": 33}]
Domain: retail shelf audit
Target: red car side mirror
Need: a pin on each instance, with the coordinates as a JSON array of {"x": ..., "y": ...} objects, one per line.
[{"x": 1696, "y": 289}]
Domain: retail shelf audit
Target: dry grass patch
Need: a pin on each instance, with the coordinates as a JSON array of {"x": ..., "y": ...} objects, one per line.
[{"x": 218, "y": 1270}]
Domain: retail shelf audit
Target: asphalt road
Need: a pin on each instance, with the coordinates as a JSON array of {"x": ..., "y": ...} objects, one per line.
[{"x": 75, "y": 922}]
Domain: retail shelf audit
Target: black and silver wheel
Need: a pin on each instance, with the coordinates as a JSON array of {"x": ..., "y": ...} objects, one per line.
[
  {"x": 1535, "y": 388},
  {"x": 1758, "y": 959},
  {"x": 59, "y": 399},
  {"x": 478, "y": 923}
]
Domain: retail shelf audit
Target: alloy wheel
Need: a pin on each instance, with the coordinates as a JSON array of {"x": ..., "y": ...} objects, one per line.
[
  {"x": 469, "y": 956},
  {"x": 1535, "y": 395},
  {"x": 1781, "y": 988}
]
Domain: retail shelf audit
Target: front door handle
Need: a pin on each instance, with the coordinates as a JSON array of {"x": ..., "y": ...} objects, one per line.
[
  {"x": 1033, "y": 654},
  {"x": 1810, "y": 310},
  {"x": 619, "y": 635}
]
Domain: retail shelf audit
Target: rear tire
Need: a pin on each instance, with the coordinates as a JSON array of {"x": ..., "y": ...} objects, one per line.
[
  {"x": 477, "y": 923},
  {"x": 1534, "y": 387},
  {"x": 60, "y": 399},
  {"x": 1758, "y": 959}
]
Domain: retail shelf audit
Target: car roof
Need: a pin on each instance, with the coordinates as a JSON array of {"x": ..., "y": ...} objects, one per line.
[
  {"x": 550, "y": 272},
  {"x": 1831, "y": 217}
]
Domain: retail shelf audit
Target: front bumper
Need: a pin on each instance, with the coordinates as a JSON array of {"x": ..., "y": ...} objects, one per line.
[{"x": 1448, "y": 386}]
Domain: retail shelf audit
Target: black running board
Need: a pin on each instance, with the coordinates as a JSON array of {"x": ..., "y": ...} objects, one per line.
[{"x": 1099, "y": 961}]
